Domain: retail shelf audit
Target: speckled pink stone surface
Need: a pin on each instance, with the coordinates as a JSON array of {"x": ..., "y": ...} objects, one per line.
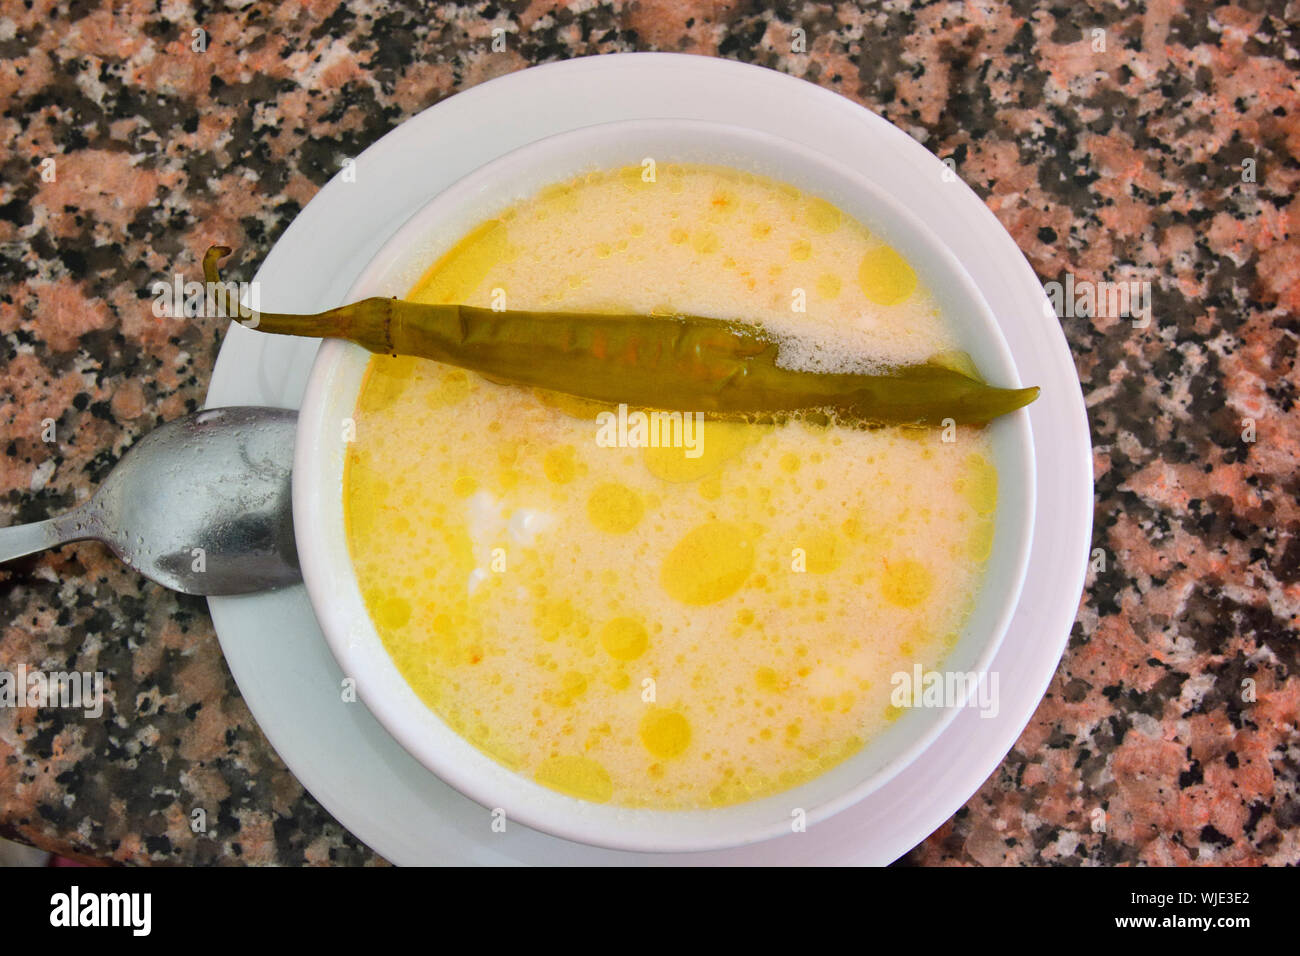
[{"x": 1130, "y": 162}]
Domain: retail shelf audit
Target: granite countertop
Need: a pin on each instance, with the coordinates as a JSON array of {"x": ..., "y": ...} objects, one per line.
[{"x": 1170, "y": 157}]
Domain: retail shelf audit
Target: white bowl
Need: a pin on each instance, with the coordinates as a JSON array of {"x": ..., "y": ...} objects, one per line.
[{"x": 331, "y": 399}]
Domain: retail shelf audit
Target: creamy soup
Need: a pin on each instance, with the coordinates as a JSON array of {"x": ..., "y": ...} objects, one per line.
[{"x": 691, "y": 625}]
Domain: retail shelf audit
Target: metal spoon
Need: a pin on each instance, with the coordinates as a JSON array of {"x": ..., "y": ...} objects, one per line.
[{"x": 200, "y": 505}]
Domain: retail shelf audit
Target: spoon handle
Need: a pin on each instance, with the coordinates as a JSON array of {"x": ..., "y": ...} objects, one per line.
[{"x": 20, "y": 540}]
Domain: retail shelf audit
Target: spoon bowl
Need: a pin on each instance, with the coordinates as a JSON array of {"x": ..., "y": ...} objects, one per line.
[{"x": 201, "y": 505}]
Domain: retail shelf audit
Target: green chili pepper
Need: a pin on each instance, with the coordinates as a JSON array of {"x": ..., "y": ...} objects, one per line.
[{"x": 673, "y": 362}]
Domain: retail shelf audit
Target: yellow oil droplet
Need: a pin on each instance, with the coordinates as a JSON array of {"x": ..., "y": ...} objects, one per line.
[
  {"x": 615, "y": 508},
  {"x": 457, "y": 549},
  {"x": 824, "y": 551},
  {"x": 604, "y": 250},
  {"x": 636, "y": 230},
  {"x": 710, "y": 487},
  {"x": 624, "y": 638},
  {"x": 579, "y": 777},
  {"x": 391, "y": 612},
  {"x": 559, "y": 465},
  {"x": 453, "y": 386},
  {"x": 769, "y": 680},
  {"x": 464, "y": 486},
  {"x": 560, "y": 197},
  {"x": 980, "y": 545},
  {"x": 885, "y": 276},
  {"x": 727, "y": 793},
  {"x": 800, "y": 250},
  {"x": 906, "y": 582},
  {"x": 980, "y": 484},
  {"x": 458, "y": 273},
  {"x": 822, "y": 217},
  {"x": 705, "y": 242},
  {"x": 631, "y": 176},
  {"x": 555, "y": 618},
  {"x": 665, "y": 733},
  {"x": 677, "y": 236},
  {"x": 790, "y": 462},
  {"x": 572, "y": 685},
  {"x": 717, "y": 443},
  {"x": 761, "y": 230},
  {"x": 386, "y": 379},
  {"x": 498, "y": 749},
  {"x": 828, "y": 285},
  {"x": 508, "y": 451},
  {"x": 709, "y": 564}
]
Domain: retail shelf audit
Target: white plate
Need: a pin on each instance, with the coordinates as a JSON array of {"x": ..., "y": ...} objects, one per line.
[{"x": 272, "y": 643}]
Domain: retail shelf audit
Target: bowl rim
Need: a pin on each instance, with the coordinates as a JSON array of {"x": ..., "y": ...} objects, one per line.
[{"x": 574, "y": 820}]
